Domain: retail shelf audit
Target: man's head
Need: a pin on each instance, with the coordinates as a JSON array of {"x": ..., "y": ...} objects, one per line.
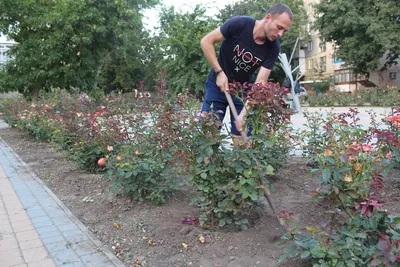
[{"x": 277, "y": 21}]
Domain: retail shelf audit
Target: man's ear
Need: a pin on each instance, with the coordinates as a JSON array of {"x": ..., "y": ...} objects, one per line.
[{"x": 268, "y": 17}]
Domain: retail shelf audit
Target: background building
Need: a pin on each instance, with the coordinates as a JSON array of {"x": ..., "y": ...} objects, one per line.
[
  {"x": 5, "y": 45},
  {"x": 321, "y": 63}
]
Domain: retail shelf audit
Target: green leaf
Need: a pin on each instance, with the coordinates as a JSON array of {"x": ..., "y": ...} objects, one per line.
[
  {"x": 253, "y": 196},
  {"x": 270, "y": 170},
  {"x": 282, "y": 258},
  {"x": 305, "y": 254},
  {"x": 350, "y": 263},
  {"x": 335, "y": 189},
  {"x": 353, "y": 194},
  {"x": 203, "y": 175},
  {"x": 318, "y": 252},
  {"x": 326, "y": 175},
  {"x": 209, "y": 152}
]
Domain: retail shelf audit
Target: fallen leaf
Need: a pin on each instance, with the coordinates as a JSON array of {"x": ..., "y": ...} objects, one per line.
[
  {"x": 202, "y": 239},
  {"x": 150, "y": 242},
  {"x": 185, "y": 245},
  {"x": 116, "y": 226}
]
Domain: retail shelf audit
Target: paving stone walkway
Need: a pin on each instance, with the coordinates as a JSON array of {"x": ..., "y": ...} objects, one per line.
[{"x": 36, "y": 229}]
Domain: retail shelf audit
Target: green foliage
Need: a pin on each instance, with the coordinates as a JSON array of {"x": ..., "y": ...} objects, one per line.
[
  {"x": 387, "y": 97},
  {"x": 230, "y": 179},
  {"x": 184, "y": 62},
  {"x": 65, "y": 43},
  {"x": 361, "y": 241},
  {"x": 351, "y": 165},
  {"x": 344, "y": 99},
  {"x": 368, "y": 31},
  {"x": 141, "y": 174}
]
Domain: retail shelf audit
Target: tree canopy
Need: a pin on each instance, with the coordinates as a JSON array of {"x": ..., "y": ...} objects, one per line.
[
  {"x": 183, "y": 60},
  {"x": 364, "y": 31},
  {"x": 65, "y": 43}
]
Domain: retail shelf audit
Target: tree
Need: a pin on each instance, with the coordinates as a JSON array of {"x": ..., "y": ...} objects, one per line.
[
  {"x": 364, "y": 30},
  {"x": 258, "y": 9},
  {"x": 65, "y": 43},
  {"x": 183, "y": 60}
]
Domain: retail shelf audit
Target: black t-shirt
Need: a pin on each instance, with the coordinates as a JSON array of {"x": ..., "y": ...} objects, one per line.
[{"x": 239, "y": 55}]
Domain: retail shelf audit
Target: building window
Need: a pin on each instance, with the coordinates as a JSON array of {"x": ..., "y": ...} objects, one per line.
[
  {"x": 392, "y": 75},
  {"x": 310, "y": 46},
  {"x": 345, "y": 76},
  {"x": 3, "y": 53},
  {"x": 322, "y": 63},
  {"x": 310, "y": 64},
  {"x": 310, "y": 8},
  {"x": 322, "y": 46}
]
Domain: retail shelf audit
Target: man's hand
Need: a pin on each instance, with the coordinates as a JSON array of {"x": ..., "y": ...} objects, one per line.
[
  {"x": 239, "y": 123},
  {"x": 222, "y": 82}
]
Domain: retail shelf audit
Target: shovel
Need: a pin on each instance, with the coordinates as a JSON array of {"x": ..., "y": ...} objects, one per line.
[{"x": 267, "y": 194}]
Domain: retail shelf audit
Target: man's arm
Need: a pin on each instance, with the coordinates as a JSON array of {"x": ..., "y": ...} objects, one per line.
[
  {"x": 207, "y": 45},
  {"x": 263, "y": 75}
]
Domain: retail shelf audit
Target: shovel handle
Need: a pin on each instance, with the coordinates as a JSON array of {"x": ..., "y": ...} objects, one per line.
[
  {"x": 267, "y": 194},
  {"x": 235, "y": 114}
]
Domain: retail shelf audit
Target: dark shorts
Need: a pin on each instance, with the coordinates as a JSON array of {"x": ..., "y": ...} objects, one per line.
[{"x": 216, "y": 101}]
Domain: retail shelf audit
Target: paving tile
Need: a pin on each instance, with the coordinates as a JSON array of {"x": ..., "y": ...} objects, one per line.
[
  {"x": 45, "y": 263},
  {"x": 60, "y": 245},
  {"x": 20, "y": 187},
  {"x": 97, "y": 259},
  {"x": 27, "y": 236},
  {"x": 11, "y": 257},
  {"x": 52, "y": 239},
  {"x": 5, "y": 226},
  {"x": 51, "y": 234},
  {"x": 36, "y": 213},
  {"x": 75, "y": 236},
  {"x": 42, "y": 221},
  {"x": 66, "y": 256},
  {"x": 62, "y": 220},
  {"x": 56, "y": 213},
  {"x": 21, "y": 226},
  {"x": 75, "y": 264},
  {"x": 3, "y": 211},
  {"x": 47, "y": 229},
  {"x": 31, "y": 244},
  {"x": 68, "y": 227},
  {"x": 35, "y": 254},
  {"x": 18, "y": 217},
  {"x": 7, "y": 244},
  {"x": 85, "y": 248}
]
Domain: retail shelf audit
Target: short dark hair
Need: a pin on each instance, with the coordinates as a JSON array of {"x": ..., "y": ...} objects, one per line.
[{"x": 279, "y": 9}]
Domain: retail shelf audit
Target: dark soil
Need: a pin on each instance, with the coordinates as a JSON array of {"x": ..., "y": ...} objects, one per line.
[{"x": 155, "y": 234}]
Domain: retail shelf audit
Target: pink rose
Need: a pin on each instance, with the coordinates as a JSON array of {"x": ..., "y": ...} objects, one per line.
[
  {"x": 102, "y": 162},
  {"x": 366, "y": 147}
]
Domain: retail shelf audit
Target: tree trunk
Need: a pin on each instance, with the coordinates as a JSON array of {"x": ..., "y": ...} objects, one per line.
[{"x": 35, "y": 94}]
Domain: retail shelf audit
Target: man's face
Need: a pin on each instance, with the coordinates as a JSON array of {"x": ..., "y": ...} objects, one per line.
[{"x": 276, "y": 26}]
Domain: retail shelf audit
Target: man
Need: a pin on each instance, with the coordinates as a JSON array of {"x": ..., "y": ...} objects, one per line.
[{"x": 247, "y": 45}]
